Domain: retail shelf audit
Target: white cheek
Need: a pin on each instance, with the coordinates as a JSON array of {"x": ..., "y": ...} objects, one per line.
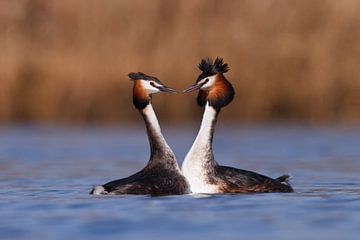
[
  {"x": 150, "y": 89},
  {"x": 209, "y": 84}
]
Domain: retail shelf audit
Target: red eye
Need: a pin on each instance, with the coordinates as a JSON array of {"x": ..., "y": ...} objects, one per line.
[{"x": 152, "y": 84}]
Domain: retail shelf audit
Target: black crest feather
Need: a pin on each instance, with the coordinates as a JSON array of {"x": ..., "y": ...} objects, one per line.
[
  {"x": 209, "y": 68},
  {"x": 143, "y": 76}
]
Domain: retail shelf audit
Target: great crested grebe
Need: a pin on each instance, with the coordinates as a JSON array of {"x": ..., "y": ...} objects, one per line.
[
  {"x": 161, "y": 175},
  {"x": 203, "y": 173}
]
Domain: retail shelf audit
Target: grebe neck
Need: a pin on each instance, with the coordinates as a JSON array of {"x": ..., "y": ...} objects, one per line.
[
  {"x": 201, "y": 150},
  {"x": 161, "y": 153}
]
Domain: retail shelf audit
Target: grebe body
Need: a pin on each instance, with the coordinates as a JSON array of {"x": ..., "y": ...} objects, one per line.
[
  {"x": 161, "y": 175},
  {"x": 203, "y": 173}
]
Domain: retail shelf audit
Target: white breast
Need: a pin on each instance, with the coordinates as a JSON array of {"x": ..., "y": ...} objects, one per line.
[
  {"x": 196, "y": 174},
  {"x": 199, "y": 186},
  {"x": 198, "y": 156}
]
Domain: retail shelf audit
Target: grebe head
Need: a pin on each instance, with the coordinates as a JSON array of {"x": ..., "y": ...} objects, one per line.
[
  {"x": 212, "y": 85},
  {"x": 144, "y": 87}
]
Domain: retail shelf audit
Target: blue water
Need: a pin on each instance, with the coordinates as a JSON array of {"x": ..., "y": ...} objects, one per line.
[{"x": 47, "y": 172}]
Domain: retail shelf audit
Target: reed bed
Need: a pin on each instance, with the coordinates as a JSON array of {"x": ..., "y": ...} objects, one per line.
[{"x": 67, "y": 61}]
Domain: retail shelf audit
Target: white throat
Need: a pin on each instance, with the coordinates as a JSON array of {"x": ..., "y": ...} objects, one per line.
[
  {"x": 160, "y": 150},
  {"x": 199, "y": 160},
  {"x": 153, "y": 121}
]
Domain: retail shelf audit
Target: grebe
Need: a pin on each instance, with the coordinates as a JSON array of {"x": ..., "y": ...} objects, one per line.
[
  {"x": 162, "y": 175},
  {"x": 203, "y": 173}
]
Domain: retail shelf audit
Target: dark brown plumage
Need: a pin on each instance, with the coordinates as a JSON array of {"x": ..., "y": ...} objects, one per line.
[
  {"x": 233, "y": 180},
  {"x": 152, "y": 181}
]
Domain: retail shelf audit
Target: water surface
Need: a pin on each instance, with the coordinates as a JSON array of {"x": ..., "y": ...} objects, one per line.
[{"x": 47, "y": 172}]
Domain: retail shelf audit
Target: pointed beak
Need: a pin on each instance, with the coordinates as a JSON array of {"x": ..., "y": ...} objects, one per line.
[
  {"x": 167, "y": 89},
  {"x": 192, "y": 88}
]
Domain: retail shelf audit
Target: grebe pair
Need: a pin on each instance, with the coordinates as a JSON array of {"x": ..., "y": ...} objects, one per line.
[{"x": 200, "y": 172}]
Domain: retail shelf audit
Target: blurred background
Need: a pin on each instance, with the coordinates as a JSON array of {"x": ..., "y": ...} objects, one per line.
[
  {"x": 67, "y": 121},
  {"x": 67, "y": 61}
]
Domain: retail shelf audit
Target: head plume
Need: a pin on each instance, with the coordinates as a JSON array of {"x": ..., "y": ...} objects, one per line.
[
  {"x": 143, "y": 76},
  {"x": 209, "y": 68}
]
